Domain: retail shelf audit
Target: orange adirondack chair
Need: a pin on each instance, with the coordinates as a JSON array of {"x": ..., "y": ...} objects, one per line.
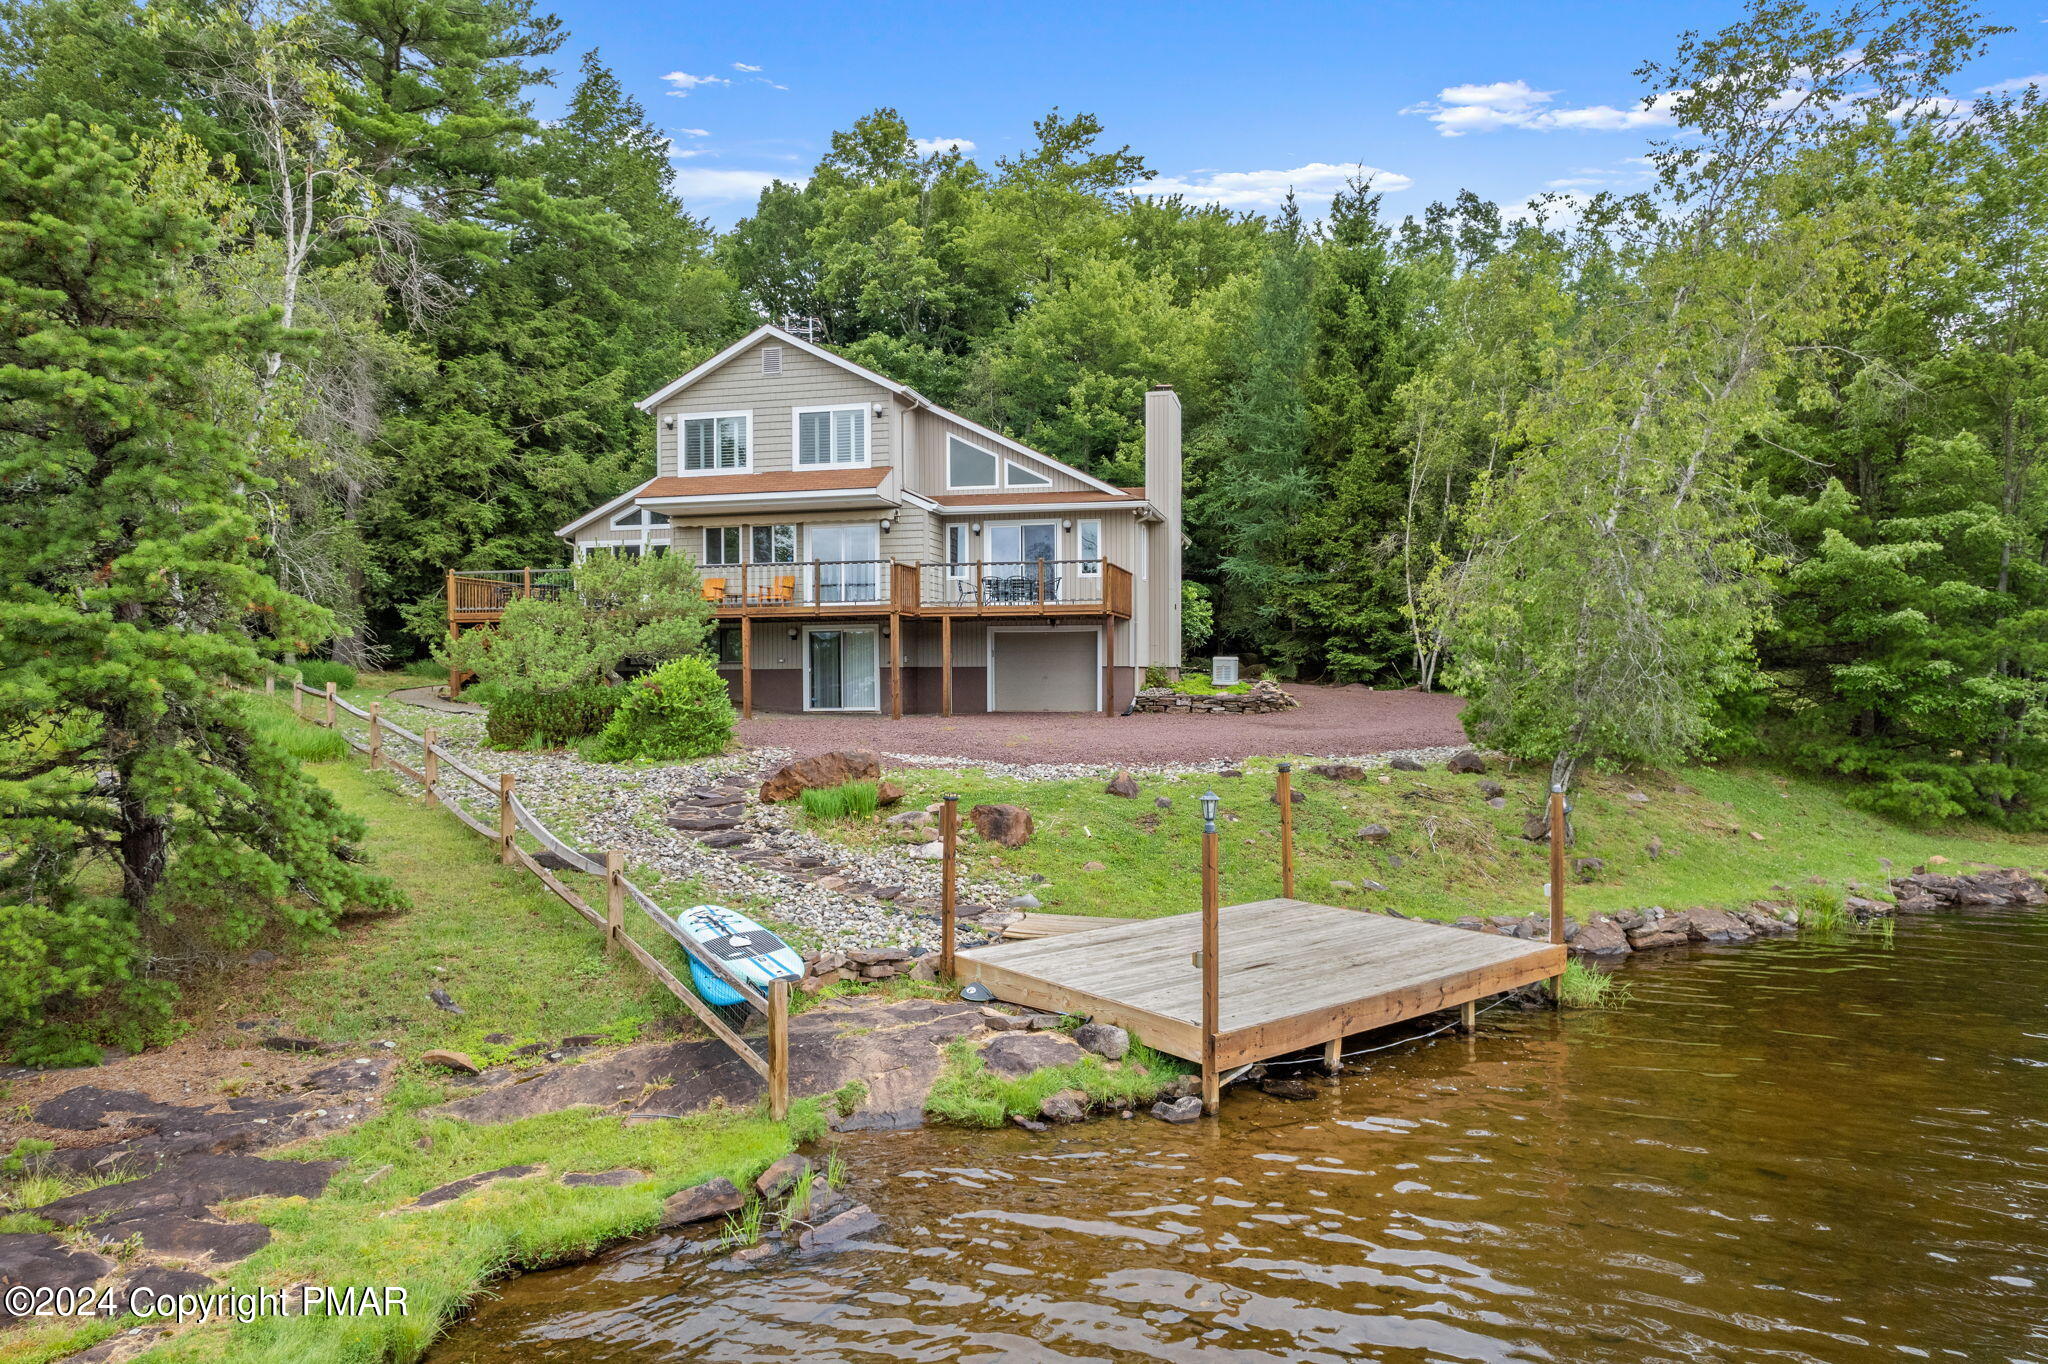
[{"x": 714, "y": 589}]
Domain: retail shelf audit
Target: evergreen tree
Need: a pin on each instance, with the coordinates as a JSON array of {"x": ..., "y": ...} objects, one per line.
[{"x": 145, "y": 816}]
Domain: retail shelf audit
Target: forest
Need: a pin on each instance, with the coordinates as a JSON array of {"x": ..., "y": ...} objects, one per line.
[{"x": 302, "y": 304}]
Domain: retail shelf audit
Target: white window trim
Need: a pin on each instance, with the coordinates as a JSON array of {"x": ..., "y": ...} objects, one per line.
[
  {"x": 959, "y": 567},
  {"x": 796, "y": 540},
  {"x": 740, "y": 539},
  {"x": 746, "y": 465},
  {"x": 1090, "y": 568},
  {"x": 618, "y": 522},
  {"x": 867, "y": 437},
  {"x": 995, "y": 465},
  {"x": 990, "y": 668},
  {"x": 1009, "y": 482},
  {"x": 875, "y": 709}
]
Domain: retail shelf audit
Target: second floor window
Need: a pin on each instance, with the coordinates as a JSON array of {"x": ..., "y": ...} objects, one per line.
[
  {"x": 837, "y": 435},
  {"x": 721, "y": 545},
  {"x": 714, "y": 443},
  {"x": 774, "y": 544}
]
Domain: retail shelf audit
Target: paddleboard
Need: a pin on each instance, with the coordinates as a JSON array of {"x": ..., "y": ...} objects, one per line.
[{"x": 741, "y": 946}]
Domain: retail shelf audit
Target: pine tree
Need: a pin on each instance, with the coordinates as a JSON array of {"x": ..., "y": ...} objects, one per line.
[{"x": 145, "y": 816}]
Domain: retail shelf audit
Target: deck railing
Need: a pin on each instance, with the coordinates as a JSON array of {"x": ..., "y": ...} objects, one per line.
[
  {"x": 987, "y": 585},
  {"x": 808, "y": 582}
]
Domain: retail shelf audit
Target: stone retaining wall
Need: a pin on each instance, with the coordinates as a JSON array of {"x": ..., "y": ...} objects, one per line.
[{"x": 1264, "y": 698}]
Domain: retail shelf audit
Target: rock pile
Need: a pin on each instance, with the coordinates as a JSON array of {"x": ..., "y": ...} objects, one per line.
[
  {"x": 1264, "y": 698},
  {"x": 1925, "y": 891}
]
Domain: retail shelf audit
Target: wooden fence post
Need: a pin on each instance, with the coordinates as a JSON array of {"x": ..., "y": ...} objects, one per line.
[
  {"x": 1212, "y": 1002},
  {"x": 506, "y": 825},
  {"x": 778, "y": 1050},
  {"x": 949, "y": 841},
  {"x": 1557, "y": 814},
  {"x": 614, "y": 899},
  {"x": 298, "y": 698},
  {"x": 430, "y": 766},
  {"x": 1284, "y": 793},
  {"x": 269, "y": 683},
  {"x": 330, "y": 705},
  {"x": 376, "y": 738}
]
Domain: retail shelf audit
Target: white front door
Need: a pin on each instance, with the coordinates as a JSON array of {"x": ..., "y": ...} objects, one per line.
[
  {"x": 847, "y": 567},
  {"x": 842, "y": 668}
]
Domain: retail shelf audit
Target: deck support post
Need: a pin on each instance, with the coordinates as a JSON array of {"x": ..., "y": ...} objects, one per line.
[
  {"x": 746, "y": 666},
  {"x": 1212, "y": 1003},
  {"x": 1468, "y": 1017},
  {"x": 1109, "y": 665},
  {"x": 614, "y": 899},
  {"x": 1557, "y": 884},
  {"x": 1284, "y": 793},
  {"x": 430, "y": 766},
  {"x": 506, "y": 824},
  {"x": 778, "y": 1050},
  {"x": 949, "y": 842},
  {"x": 1333, "y": 1055},
  {"x": 454, "y": 633},
  {"x": 895, "y": 666},
  {"x": 946, "y": 665}
]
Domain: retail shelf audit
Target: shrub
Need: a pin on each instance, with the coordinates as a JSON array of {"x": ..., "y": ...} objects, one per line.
[
  {"x": 318, "y": 672},
  {"x": 306, "y": 742},
  {"x": 549, "y": 719},
  {"x": 485, "y": 694},
  {"x": 680, "y": 710},
  {"x": 854, "y": 800}
]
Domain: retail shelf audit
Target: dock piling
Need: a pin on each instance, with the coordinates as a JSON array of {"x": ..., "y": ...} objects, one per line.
[
  {"x": 1212, "y": 909},
  {"x": 1284, "y": 793},
  {"x": 949, "y": 843},
  {"x": 1557, "y": 814}
]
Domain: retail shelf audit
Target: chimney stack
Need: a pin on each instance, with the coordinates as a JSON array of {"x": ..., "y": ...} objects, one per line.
[{"x": 1162, "y": 490}]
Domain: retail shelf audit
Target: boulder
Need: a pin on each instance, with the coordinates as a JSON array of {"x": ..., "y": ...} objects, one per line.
[
  {"x": 780, "y": 1177},
  {"x": 995, "y": 1020},
  {"x": 1600, "y": 938},
  {"x": 1492, "y": 789},
  {"x": 1467, "y": 762},
  {"x": 1339, "y": 771},
  {"x": 1658, "y": 934},
  {"x": 1710, "y": 925},
  {"x": 1163, "y": 802},
  {"x": 1016, "y": 1054},
  {"x": 450, "y": 1060},
  {"x": 1588, "y": 867},
  {"x": 1106, "y": 1040},
  {"x": 1375, "y": 833},
  {"x": 933, "y": 851},
  {"x": 1008, "y": 825},
  {"x": 854, "y": 1222},
  {"x": 1405, "y": 764},
  {"x": 1178, "y": 1110},
  {"x": 889, "y": 793},
  {"x": 1122, "y": 784},
  {"x": 822, "y": 769},
  {"x": 909, "y": 819},
  {"x": 878, "y": 956},
  {"x": 701, "y": 1202},
  {"x": 1066, "y": 1105}
]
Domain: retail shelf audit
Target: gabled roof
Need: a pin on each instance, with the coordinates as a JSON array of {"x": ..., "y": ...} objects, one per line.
[
  {"x": 909, "y": 395},
  {"x": 619, "y": 503}
]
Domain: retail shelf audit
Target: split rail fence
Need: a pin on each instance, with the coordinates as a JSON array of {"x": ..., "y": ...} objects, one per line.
[{"x": 437, "y": 762}]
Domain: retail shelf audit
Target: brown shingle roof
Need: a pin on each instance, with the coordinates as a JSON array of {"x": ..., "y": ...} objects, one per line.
[
  {"x": 1051, "y": 498},
  {"x": 795, "y": 481}
]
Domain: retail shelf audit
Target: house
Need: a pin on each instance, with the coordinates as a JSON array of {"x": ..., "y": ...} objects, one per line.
[{"x": 866, "y": 550}]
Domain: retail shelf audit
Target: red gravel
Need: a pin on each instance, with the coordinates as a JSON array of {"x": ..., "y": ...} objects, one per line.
[{"x": 1330, "y": 722}]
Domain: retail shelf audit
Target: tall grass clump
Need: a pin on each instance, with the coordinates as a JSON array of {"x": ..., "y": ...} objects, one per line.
[
  {"x": 318, "y": 672},
  {"x": 1582, "y": 987},
  {"x": 853, "y": 800},
  {"x": 968, "y": 1094},
  {"x": 306, "y": 742},
  {"x": 1822, "y": 908}
]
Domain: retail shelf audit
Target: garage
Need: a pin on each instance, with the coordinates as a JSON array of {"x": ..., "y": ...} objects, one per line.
[{"x": 1044, "y": 670}]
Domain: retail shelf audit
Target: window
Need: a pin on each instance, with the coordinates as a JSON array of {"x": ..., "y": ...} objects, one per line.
[
  {"x": 721, "y": 545},
  {"x": 728, "y": 646},
  {"x": 1089, "y": 541},
  {"x": 968, "y": 466},
  {"x": 1018, "y": 476},
  {"x": 831, "y": 435},
  {"x": 774, "y": 544},
  {"x": 957, "y": 553},
  {"x": 771, "y": 359},
  {"x": 715, "y": 443},
  {"x": 639, "y": 517}
]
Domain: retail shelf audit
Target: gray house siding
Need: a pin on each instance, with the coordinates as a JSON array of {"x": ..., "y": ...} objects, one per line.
[{"x": 740, "y": 386}]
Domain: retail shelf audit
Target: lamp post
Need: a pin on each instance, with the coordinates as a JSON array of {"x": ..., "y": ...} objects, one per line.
[{"x": 1212, "y": 1004}]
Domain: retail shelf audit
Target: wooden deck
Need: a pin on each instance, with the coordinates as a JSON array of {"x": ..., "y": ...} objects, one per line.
[{"x": 1293, "y": 975}]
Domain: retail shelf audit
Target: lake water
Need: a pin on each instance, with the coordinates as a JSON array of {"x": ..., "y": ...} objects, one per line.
[{"x": 1798, "y": 1150}]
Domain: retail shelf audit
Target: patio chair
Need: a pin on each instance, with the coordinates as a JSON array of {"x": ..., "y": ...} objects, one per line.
[{"x": 714, "y": 590}]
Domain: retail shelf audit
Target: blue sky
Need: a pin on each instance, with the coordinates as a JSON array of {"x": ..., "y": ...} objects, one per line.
[{"x": 1227, "y": 102}]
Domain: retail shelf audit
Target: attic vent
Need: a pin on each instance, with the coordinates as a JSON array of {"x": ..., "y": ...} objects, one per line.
[{"x": 771, "y": 359}]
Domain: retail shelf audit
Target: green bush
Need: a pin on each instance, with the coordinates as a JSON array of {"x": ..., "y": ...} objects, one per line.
[
  {"x": 318, "y": 672},
  {"x": 486, "y": 694},
  {"x": 854, "y": 800},
  {"x": 549, "y": 719},
  {"x": 680, "y": 710}
]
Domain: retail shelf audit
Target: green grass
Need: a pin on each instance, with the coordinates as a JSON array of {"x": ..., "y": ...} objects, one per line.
[
  {"x": 1584, "y": 987},
  {"x": 1456, "y": 855},
  {"x": 1199, "y": 684},
  {"x": 852, "y": 800},
  {"x": 1822, "y": 908},
  {"x": 967, "y": 1094}
]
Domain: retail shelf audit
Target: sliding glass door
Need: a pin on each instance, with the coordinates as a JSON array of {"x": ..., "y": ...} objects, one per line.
[
  {"x": 842, "y": 668},
  {"x": 847, "y": 567}
]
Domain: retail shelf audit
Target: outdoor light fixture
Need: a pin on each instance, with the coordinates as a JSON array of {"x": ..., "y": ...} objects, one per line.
[
  {"x": 793, "y": 632},
  {"x": 878, "y": 409},
  {"x": 1067, "y": 524},
  {"x": 1211, "y": 803},
  {"x": 977, "y": 527},
  {"x": 886, "y": 523},
  {"x": 668, "y": 423}
]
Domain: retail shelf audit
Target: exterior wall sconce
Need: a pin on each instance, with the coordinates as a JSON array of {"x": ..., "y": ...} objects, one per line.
[
  {"x": 668, "y": 423},
  {"x": 794, "y": 632},
  {"x": 886, "y": 523},
  {"x": 1067, "y": 524},
  {"x": 878, "y": 409},
  {"x": 977, "y": 527}
]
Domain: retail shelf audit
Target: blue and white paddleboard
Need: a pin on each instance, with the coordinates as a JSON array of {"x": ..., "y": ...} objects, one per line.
[{"x": 741, "y": 946}]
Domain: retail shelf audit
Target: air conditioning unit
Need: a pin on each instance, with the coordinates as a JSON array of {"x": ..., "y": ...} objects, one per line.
[{"x": 1223, "y": 670}]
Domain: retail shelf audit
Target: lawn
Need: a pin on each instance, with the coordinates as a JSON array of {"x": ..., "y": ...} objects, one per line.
[{"x": 1446, "y": 853}]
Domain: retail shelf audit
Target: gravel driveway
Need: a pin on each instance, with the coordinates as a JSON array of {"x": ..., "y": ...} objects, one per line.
[{"x": 1331, "y": 722}]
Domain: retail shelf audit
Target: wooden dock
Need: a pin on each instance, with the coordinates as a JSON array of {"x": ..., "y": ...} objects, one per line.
[{"x": 1292, "y": 975}]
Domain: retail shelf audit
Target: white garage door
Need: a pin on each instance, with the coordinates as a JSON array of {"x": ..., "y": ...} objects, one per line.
[{"x": 1044, "y": 670}]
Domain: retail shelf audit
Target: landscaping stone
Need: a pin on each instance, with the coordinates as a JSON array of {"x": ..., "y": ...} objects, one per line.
[
  {"x": 878, "y": 956},
  {"x": 778, "y": 1178},
  {"x": 1344, "y": 885},
  {"x": 820, "y": 770},
  {"x": 1180, "y": 1110},
  {"x": 889, "y": 793},
  {"x": 1008, "y": 825},
  {"x": 1263, "y": 697},
  {"x": 1066, "y": 1105},
  {"x": 1466, "y": 763},
  {"x": 909, "y": 819},
  {"x": 1106, "y": 1040},
  {"x": 1652, "y": 936},
  {"x": 1122, "y": 784},
  {"x": 1710, "y": 925},
  {"x": 701, "y": 1202},
  {"x": 995, "y": 1020},
  {"x": 1600, "y": 938},
  {"x": 1025, "y": 901},
  {"x": 1375, "y": 833},
  {"x": 1406, "y": 764},
  {"x": 1013, "y": 1055}
]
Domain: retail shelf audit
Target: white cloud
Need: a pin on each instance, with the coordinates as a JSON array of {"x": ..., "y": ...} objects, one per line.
[
  {"x": 929, "y": 146},
  {"x": 693, "y": 132},
  {"x": 683, "y": 82},
  {"x": 2014, "y": 85},
  {"x": 772, "y": 85},
  {"x": 742, "y": 66},
  {"x": 1461, "y": 109},
  {"x": 1268, "y": 188},
  {"x": 697, "y": 184}
]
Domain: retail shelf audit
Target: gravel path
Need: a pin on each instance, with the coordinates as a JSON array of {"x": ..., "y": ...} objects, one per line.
[{"x": 1331, "y": 722}]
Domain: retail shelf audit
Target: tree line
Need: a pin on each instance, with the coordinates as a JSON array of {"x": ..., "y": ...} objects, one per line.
[{"x": 303, "y": 304}]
